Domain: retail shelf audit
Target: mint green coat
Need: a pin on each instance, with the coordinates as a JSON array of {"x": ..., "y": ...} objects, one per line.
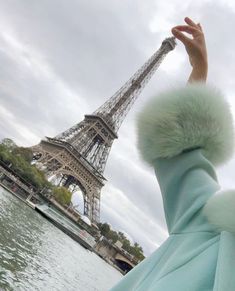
[{"x": 199, "y": 254}]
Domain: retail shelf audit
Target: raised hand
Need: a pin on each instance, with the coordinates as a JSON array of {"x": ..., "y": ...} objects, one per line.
[{"x": 195, "y": 47}]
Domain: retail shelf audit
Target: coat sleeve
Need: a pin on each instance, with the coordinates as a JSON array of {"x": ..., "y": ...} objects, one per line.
[
  {"x": 186, "y": 181},
  {"x": 183, "y": 133}
]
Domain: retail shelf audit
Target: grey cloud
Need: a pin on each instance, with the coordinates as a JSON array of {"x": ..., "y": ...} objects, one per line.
[{"x": 78, "y": 43}]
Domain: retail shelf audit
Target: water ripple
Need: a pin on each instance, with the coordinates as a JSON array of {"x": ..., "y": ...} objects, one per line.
[{"x": 36, "y": 256}]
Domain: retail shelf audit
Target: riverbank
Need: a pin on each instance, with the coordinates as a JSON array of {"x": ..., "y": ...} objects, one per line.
[
  {"x": 36, "y": 255},
  {"x": 80, "y": 236},
  {"x": 67, "y": 227},
  {"x": 65, "y": 222}
]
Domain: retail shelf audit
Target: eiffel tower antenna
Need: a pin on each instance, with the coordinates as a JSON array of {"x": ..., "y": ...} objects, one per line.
[{"x": 76, "y": 158}]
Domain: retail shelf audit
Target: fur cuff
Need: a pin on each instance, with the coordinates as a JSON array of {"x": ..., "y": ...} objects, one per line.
[
  {"x": 220, "y": 211},
  {"x": 195, "y": 116}
]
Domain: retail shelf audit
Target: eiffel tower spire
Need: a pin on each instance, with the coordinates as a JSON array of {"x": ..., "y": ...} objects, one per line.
[
  {"x": 115, "y": 109},
  {"x": 80, "y": 153}
]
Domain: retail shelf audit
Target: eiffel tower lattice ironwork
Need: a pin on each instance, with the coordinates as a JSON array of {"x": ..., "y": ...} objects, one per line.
[{"x": 76, "y": 158}]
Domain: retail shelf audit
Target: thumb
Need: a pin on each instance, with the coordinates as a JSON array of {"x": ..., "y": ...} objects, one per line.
[{"x": 180, "y": 36}]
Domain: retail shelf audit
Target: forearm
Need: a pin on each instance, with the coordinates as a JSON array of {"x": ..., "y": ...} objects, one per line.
[{"x": 198, "y": 74}]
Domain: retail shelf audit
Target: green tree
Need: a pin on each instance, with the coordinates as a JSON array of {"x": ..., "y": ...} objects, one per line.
[
  {"x": 62, "y": 195},
  {"x": 18, "y": 159},
  {"x": 9, "y": 143},
  {"x": 112, "y": 235},
  {"x": 25, "y": 153},
  {"x": 4, "y": 154},
  {"x": 104, "y": 228},
  {"x": 135, "y": 250},
  {"x": 121, "y": 236},
  {"x": 126, "y": 245}
]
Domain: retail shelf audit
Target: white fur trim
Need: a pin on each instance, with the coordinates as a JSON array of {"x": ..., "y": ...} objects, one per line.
[
  {"x": 195, "y": 116},
  {"x": 220, "y": 211}
]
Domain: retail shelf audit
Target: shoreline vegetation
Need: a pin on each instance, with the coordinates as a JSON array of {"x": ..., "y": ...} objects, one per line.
[
  {"x": 135, "y": 249},
  {"x": 18, "y": 159}
]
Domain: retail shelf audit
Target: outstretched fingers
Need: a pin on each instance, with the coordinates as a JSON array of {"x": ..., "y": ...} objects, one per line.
[
  {"x": 192, "y": 36},
  {"x": 190, "y": 22},
  {"x": 189, "y": 29},
  {"x": 180, "y": 36},
  {"x": 199, "y": 26},
  {"x": 177, "y": 31}
]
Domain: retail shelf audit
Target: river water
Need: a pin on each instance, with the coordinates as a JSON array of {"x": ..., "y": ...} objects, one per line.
[{"x": 36, "y": 256}]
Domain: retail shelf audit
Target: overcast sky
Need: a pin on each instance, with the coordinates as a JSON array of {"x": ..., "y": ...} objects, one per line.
[{"x": 61, "y": 59}]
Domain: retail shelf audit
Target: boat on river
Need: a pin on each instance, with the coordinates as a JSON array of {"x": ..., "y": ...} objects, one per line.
[{"x": 67, "y": 226}]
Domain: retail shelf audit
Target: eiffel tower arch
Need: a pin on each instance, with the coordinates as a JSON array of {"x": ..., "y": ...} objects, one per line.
[{"x": 78, "y": 155}]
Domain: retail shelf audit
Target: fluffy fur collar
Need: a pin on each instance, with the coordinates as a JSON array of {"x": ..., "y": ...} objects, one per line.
[
  {"x": 220, "y": 210},
  {"x": 195, "y": 116}
]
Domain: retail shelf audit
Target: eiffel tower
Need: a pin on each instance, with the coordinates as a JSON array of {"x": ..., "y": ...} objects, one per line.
[{"x": 76, "y": 158}]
